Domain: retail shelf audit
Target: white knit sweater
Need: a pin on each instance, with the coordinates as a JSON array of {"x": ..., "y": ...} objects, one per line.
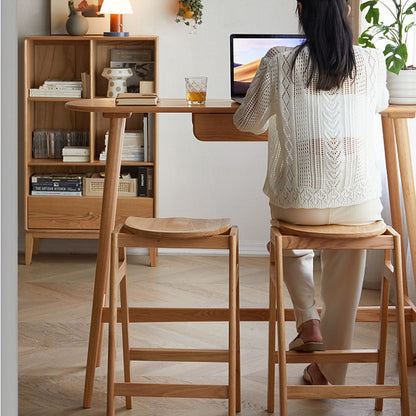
[{"x": 321, "y": 150}]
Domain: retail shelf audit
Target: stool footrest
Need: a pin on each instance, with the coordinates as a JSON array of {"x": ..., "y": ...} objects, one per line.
[
  {"x": 344, "y": 392},
  {"x": 170, "y": 354},
  {"x": 333, "y": 356},
  {"x": 201, "y": 391}
]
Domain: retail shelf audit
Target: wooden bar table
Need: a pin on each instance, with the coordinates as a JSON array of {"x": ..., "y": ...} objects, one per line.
[{"x": 213, "y": 122}]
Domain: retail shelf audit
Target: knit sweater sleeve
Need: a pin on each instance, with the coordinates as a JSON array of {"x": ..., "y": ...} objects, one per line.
[
  {"x": 382, "y": 96},
  {"x": 254, "y": 112}
]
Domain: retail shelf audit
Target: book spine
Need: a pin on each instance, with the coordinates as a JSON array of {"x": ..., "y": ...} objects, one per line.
[
  {"x": 56, "y": 193},
  {"x": 145, "y": 135},
  {"x": 149, "y": 188},
  {"x": 142, "y": 182},
  {"x": 53, "y": 185},
  {"x": 57, "y": 188},
  {"x": 53, "y": 180}
]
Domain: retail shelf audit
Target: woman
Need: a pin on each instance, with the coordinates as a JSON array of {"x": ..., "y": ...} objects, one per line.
[{"x": 318, "y": 102}]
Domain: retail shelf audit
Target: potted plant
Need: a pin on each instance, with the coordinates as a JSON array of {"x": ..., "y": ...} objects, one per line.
[
  {"x": 401, "y": 78},
  {"x": 190, "y": 9}
]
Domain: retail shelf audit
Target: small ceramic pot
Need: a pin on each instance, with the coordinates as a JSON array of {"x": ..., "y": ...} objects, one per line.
[
  {"x": 116, "y": 80},
  {"x": 77, "y": 24}
]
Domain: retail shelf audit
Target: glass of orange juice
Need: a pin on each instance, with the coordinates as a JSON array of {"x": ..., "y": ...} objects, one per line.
[{"x": 196, "y": 89}]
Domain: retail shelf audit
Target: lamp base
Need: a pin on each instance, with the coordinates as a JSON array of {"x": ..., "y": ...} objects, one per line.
[{"x": 117, "y": 34}]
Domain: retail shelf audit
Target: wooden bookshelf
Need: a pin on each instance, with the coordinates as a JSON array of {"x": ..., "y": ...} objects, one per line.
[{"x": 65, "y": 58}]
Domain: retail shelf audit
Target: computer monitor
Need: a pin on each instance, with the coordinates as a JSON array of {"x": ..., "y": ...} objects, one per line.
[{"x": 246, "y": 52}]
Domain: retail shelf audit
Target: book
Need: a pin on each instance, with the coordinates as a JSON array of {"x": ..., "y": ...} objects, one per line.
[
  {"x": 55, "y": 193},
  {"x": 56, "y": 178},
  {"x": 56, "y": 88},
  {"x": 76, "y": 158},
  {"x": 57, "y": 187},
  {"x": 129, "y": 98},
  {"x": 36, "y": 92},
  {"x": 75, "y": 151},
  {"x": 142, "y": 185},
  {"x": 149, "y": 183},
  {"x": 149, "y": 136}
]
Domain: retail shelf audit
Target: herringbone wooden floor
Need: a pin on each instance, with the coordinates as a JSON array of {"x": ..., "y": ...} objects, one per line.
[{"x": 55, "y": 295}]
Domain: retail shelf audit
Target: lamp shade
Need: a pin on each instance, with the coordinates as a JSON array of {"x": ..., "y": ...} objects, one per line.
[{"x": 116, "y": 7}]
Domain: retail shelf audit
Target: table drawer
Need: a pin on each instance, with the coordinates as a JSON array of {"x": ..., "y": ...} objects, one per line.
[{"x": 80, "y": 213}]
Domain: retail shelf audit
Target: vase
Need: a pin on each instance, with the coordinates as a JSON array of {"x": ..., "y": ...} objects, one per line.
[
  {"x": 76, "y": 24},
  {"x": 117, "y": 78},
  {"x": 402, "y": 87}
]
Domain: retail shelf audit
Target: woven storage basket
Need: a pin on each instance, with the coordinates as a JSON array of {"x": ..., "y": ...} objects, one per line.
[{"x": 95, "y": 187}]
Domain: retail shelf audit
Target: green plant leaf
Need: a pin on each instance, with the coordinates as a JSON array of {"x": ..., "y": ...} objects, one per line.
[
  {"x": 366, "y": 40},
  {"x": 373, "y": 13},
  {"x": 407, "y": 28},
  {"x": 411, "y": 9},
  {"x": 396, "y": 57}
]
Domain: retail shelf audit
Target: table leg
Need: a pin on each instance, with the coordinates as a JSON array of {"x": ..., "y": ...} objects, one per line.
[
  {"x": 409, "y": 198},
  {"x": 108, "y": 215},
  {"x": 396, "y": 210}
]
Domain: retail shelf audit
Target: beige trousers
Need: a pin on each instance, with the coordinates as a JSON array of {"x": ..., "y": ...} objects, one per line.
[{"x": 342, "y": 274}]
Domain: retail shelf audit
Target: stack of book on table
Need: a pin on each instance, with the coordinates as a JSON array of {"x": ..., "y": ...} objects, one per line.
[
  {"x": 76, "y": 154},
  {"x": 133, "y": 146},
  {"x": 57, "y": 184},
  {"x": 52, "y": 88},
  {"x": 128, "y": 98}
]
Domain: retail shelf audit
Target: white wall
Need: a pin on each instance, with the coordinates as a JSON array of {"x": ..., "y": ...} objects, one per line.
[
  {"x": 8, "y": 208},
  {"x": 195, "y": 179}
]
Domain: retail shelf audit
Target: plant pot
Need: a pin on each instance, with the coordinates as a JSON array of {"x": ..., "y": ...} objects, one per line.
[
  {"x": 188, "y": 14},
  {"x": 402, "y": 87}
]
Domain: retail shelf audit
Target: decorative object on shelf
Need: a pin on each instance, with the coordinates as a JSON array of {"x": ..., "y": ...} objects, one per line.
[
  {"x": 139, "y": 60},
  {"x": 116, "y": 80},
  {"x": 97, "y": 22},
  {"x": 76, "y": 24},
  {"x": 401, "y": 78},
  {"x": 116, "y": 9},
  {"x": 190, "y": 9}
]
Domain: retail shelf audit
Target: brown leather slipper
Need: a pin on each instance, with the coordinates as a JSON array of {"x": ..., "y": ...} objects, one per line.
[
  {"x": 307, "y": 378},
  {"x": 299, "y": 345}
]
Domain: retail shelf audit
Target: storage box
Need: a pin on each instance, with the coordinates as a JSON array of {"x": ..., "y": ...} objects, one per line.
[{"x": 95, "y": 187}]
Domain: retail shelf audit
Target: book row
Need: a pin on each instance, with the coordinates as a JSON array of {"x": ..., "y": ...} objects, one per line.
[
  {"x": 139, "y": 184},
  {"x": 48, "y": 143}
]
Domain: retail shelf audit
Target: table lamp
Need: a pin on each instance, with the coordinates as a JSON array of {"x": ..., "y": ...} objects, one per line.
[{"x": 116, "y": 9}]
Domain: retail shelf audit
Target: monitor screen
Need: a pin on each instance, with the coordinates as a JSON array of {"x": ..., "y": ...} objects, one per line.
[{"x": 246, "y": 52}]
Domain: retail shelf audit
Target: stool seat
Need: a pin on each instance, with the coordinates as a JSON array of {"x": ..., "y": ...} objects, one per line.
[
  {"x": 177, "y": 227},
  {"x": 333, "y": 230}
]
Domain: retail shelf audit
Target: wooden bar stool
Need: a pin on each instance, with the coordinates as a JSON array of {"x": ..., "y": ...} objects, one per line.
[
  {"x": 373, "y": 236},
  {"x": 173, "y": 233}
]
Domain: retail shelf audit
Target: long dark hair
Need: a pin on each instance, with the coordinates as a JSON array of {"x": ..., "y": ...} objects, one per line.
[{"x": 329, "y": 40}]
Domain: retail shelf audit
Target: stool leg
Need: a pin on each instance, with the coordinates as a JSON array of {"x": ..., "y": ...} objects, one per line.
[
  {"x": 232, "y": 352},
  {"x": 281, "y": 340},
  {"x": 404, "y": 400},
  {"x": 238, "y": 356},
  {"x": 125, "y": 328},
  {"x": 382, "y": 349},
  {"x": 272, "y": 325},
  {"x": 112, "y": 326}
]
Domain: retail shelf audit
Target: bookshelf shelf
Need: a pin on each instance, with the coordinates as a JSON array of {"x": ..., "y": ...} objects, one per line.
[{"x": 65, "y": 58}]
